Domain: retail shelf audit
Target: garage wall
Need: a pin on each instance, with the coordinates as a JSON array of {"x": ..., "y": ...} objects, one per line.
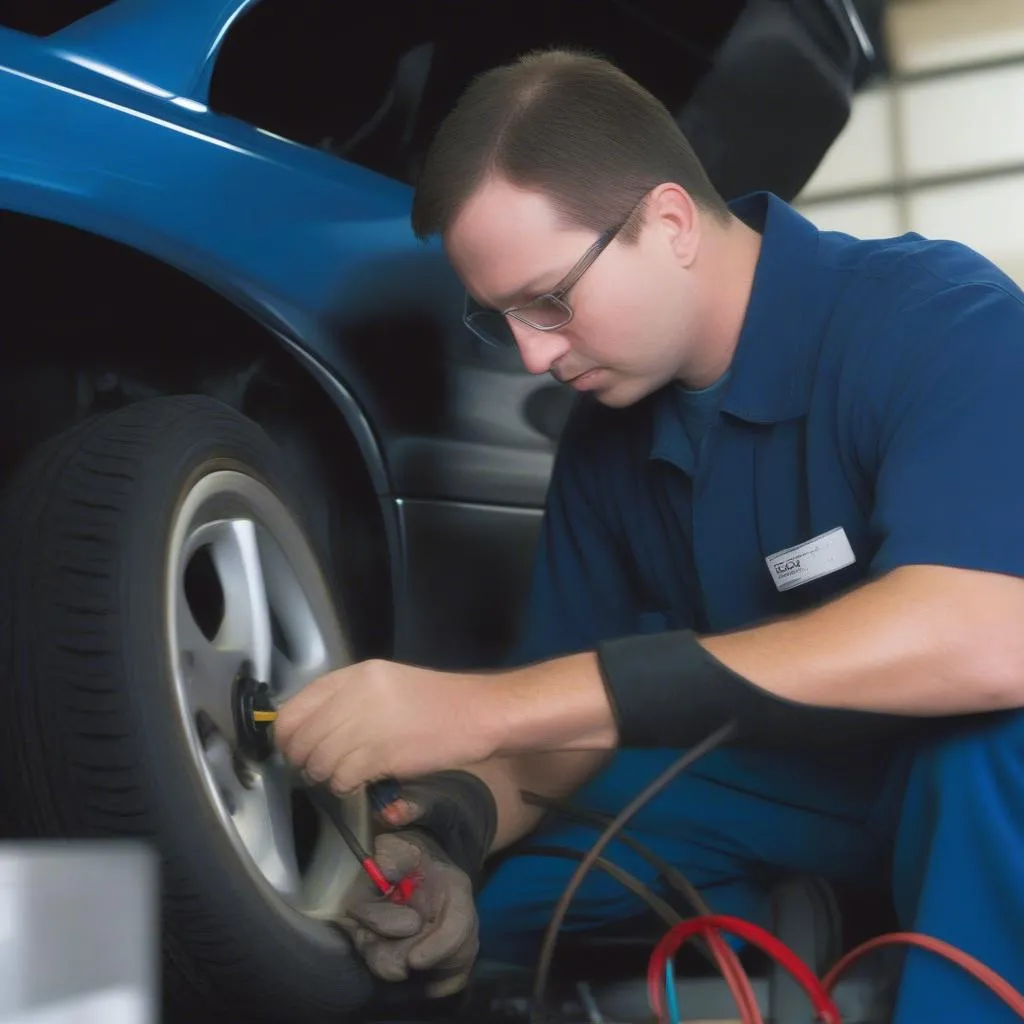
[{"x": 938, "y": 147}]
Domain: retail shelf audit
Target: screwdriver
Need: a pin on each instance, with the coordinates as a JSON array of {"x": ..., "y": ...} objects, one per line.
[
  {"x": 397, "y": 892},
  {"x": 382, "y": 795}
]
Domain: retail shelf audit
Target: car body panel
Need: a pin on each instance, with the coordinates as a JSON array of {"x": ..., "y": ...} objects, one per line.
[
  {"x": 172, "y": 46},
  {"x": 212, "y": 195}
]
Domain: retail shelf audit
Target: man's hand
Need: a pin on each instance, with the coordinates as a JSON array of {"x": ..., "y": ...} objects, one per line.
[
  {"x": 378, "y": 718},
  {"x": 445, "y": 825},
  {"x": 435, "y": 932}
]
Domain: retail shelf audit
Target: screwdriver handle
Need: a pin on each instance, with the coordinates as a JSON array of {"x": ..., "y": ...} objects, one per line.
[{"x": 383, "y": 794}]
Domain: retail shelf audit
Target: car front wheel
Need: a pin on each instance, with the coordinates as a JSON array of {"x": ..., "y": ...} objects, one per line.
[{"x": 154, "y": 570}]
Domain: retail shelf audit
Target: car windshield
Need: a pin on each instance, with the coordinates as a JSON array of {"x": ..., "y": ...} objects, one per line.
[{"x": 44, "y": 17}]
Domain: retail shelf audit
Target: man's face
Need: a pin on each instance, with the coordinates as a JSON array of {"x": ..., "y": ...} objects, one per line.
[{"x": 633, "y": 308}]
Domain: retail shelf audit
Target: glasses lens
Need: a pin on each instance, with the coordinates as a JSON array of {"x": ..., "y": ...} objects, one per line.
[
  {"x": 491, "y": 327},
  {"x": 546, "y": 313},
  {"x": 487, "y": 324}
]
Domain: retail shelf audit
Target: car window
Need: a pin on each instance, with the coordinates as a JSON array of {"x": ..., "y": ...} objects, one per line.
[
  {"x": 44, "y": 17},
  {"x": 329, "y": 76}
]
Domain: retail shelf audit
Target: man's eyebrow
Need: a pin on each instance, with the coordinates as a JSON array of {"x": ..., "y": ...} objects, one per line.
[{"x": 530, "y": 290}]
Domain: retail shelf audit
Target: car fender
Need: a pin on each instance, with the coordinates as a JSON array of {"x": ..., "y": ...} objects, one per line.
[{"x": 293, "y": 328}]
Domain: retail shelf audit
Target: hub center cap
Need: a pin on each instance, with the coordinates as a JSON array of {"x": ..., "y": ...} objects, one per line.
[{"x": 248, "y": 697}]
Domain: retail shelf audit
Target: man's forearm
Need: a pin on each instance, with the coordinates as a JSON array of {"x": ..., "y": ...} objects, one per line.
[
  {"x": 922, "y": 641},
  {"x": 551, "y": 774}
]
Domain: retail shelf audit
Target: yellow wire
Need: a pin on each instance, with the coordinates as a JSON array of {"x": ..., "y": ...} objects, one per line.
[{"x": 264, "y": 716}]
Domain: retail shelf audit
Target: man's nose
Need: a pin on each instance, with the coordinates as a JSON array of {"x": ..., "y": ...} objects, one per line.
[{"x": 540, "y": 350}]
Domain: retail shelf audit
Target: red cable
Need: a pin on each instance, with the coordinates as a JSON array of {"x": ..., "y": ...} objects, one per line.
[
  {"x": 819, "y": 991},
  {"x": 826, "y": 1010},
  {"x": 736, "y": 978},
  {"x": 397, "y": 892},
  {"x": 1000, "y": 986}
]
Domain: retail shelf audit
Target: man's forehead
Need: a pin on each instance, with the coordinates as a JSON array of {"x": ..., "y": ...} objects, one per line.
[
  {"x": 506, "y": 237},
  {"x": 499, "y": 211}
]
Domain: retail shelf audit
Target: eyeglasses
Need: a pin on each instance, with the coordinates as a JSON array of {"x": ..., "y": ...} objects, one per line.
[{"x": 548, "y": 312}]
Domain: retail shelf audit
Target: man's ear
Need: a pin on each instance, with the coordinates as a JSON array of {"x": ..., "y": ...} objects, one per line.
[{"x": 672, "y": 208}]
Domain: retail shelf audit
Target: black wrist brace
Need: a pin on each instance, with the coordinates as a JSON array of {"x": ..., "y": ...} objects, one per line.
[
  {"x": 458, "y": 811},
  {"x": 666, "y": 690}
]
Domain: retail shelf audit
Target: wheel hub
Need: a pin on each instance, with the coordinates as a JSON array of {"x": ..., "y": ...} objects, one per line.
[{"x": 249, "y": 696}]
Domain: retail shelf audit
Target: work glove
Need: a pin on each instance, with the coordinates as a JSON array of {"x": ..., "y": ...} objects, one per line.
[
  {"x": 435, "y": 932},
  {"x": 443, "y": 826}
]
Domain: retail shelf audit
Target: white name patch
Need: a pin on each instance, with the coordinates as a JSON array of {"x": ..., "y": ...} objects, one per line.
[{"x": 828, "y": 552}]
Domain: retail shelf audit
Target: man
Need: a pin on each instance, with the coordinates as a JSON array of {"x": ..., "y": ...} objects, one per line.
[{"x": 789, "y": 498}]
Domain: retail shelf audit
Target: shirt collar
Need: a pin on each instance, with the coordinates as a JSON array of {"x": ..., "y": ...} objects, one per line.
[{"x": 771, "y": 372}]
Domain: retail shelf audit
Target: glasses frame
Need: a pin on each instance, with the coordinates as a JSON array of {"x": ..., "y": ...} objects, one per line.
[{"x": 557, "y": 295}]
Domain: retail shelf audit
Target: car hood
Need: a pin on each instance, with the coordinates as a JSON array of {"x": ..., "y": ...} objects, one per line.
[{"x": 168, "y": 45}]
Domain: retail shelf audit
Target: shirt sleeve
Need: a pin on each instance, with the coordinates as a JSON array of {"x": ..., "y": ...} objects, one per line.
[
  {"x": 943, "y": 427},
  {"x": 580, "y": 591}
]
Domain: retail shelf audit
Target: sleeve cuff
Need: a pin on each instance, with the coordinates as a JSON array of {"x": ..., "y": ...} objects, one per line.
[{"x": 668, "y": 690}]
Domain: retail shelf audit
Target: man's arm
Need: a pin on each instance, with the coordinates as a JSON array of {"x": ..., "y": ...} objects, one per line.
[
  {"x": 552, "y": 774},
  {"x": 921, "y": 641}
]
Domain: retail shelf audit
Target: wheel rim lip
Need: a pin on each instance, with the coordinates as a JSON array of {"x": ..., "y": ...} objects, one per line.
[{"x": 332, "y": 869}]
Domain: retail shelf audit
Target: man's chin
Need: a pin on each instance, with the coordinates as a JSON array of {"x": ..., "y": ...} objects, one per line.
[{"x": 621, "y": 394}]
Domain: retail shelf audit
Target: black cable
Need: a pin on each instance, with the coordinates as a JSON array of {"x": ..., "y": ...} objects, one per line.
[
  {"x": 547, "y": 950},
  {"x": 668, "y": 914},
  {"x": 669, "y": 872},
  {"x": 672, "y": 875}
]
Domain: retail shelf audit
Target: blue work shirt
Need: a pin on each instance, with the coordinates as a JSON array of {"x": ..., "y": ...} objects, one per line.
[{"x": 876, "y": 389}]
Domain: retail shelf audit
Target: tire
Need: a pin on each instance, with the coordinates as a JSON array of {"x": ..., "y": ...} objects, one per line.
[{"x": 108, "y": 536}]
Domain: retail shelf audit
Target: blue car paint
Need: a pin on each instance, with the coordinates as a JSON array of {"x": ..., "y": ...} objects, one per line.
[
  {"x": 297, "y": 237},
  {"x": 170, "y": 44}
]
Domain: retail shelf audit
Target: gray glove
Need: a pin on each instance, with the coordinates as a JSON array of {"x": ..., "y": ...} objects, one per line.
[{"x": 436, "y": 931}]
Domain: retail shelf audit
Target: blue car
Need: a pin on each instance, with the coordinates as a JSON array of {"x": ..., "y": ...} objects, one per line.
[{"x": 245, "y": 436}]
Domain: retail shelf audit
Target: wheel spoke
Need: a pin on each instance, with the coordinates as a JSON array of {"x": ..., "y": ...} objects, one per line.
[
  {"x": 246, "y": 624},
  {"x": 222, "y": 767},
  {"x": 265, "y": 825},
  {"x": 209, "y": 670},
  {"x": 289, "y": 678},
  {"x": 304, "y": 654}
]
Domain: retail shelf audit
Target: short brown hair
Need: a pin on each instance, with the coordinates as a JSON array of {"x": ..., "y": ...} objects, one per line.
[{"x": 565, "y": 123}]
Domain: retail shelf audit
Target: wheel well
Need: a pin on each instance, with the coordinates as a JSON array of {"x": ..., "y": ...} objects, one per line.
[{"x": 91, "y": 325}]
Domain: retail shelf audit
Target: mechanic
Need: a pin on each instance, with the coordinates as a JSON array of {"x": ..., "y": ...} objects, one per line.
[{"x": 790, "y": 497}]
